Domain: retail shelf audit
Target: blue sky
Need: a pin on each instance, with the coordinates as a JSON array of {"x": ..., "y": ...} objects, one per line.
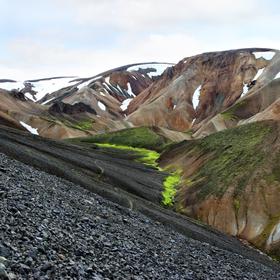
[{"x": 83, "y": 37}]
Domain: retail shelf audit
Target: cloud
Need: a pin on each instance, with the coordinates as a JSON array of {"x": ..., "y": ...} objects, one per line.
[
  {"x": 58, "y": 59},
  {"x": 84, "y": 37},
  {"x": 143, "y": 14}
]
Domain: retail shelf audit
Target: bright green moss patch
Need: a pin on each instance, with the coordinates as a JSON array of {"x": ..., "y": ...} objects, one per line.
[
  {"x": 149, "y": 157},
  {"x": 233, "y": 155},
  {"x": 143, "y": 142},
  {"x": 139, "y": 137},
  {"x": 170, "y": 188},
  {"x": 145, "y": 156}
]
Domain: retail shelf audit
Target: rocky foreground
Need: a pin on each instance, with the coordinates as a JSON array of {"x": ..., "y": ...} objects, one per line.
[{"x": 52, "y": 229}]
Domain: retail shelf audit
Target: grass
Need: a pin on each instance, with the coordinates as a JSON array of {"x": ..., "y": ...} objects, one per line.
[{"x": 140, "y": 137}]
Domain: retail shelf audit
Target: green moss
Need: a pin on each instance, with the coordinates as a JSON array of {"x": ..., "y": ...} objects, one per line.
[
  {"x": 232, "y": 112},
  {"x": 232, "y": 157},
  {"x": 81, "y": 125},
  {"x": 145, "y": 156},
  {"x": 229, "y": 116},
  {"x": 140, "y": 137},
  {"x": 170, "y": 188},
  {"x": 149, "y": 157}
]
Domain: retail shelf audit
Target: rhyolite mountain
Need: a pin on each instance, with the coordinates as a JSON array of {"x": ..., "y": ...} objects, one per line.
[
  {"x": 215, "y": 118},
  {"x": 63, "y": 107}
]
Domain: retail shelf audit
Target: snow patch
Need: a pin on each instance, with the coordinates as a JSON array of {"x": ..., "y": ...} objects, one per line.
[
  {"x": 129, "y": 90},
  {"x": 48, "y": 86},
  {"x": 30, "y": 96},
  {"x": 260, "y": 71},
  {"x": 30, "y": 128},
  {"x": 47, "y": 101},
  {"x": 195, "y": 99},
  {"x": 245, "y": 90},
  {"x": 41, "y": 87},
  {"x": 101, "y": 106},
  {"x": 11, "y": 85},
  {"x": 107, "y": 86},
  {"x": 85, "y": 84},
  {"x": 107, "y": 80},
  {"x": 266, "y": 55},
  {"x": 126, "y": 103},
  {"x": 158, "y": 69},
  {"x": 275, "y": 235},
  {"x": 277, "y": 76}
]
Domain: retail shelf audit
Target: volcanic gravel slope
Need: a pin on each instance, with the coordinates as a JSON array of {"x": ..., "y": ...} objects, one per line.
[{"x": 52, "y": 229}]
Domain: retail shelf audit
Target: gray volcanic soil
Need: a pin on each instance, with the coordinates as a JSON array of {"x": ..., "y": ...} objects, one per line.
[{"x": 53, "y": 229}]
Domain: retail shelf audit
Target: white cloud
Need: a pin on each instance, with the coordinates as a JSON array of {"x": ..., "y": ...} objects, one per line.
[
  {"x": 125, "y": 31},
  {"x": 153, "y": 14},
  {"x": 34, "y": 60},
  {"x": 60, "y": 60}
]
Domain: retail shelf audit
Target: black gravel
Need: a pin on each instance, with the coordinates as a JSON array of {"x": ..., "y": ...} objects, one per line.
[{"x": 52, "y": 229}]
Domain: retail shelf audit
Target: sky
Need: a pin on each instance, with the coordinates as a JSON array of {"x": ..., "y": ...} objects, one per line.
[{"x": 44, "y": 38}]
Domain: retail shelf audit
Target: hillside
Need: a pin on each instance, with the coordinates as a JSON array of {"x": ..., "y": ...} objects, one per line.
[
  {"x": 230, "y": 180},
  {"x": 51, "y": 229}
]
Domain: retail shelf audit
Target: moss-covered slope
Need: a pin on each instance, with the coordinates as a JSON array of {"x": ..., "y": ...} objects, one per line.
[
  {"x": 139, "y": 137},
  {"x": 231, "y": 181}
]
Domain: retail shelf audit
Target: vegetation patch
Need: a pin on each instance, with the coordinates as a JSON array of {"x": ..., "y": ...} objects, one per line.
[
  {"x": 232, "y": 113},
  {"x": 83, "y": 125},
  {"x": 143, "y": 155},
  {"x": 149, "y": 157},
  {"x": 145, "y": 144},
  {"x": 170, "y": 185},
  {"x": 139, "y": 137},
  {"x": 234, "y": 154}
]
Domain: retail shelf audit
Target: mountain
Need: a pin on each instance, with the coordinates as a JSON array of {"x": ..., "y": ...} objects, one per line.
[
  {"x": 210, "y": 121},
  {"x": 230, "y": 180},
  {"x": 190, "y": 94},
  {"x": 198, "y": 95},
  {"x": 63, "y": 107}
]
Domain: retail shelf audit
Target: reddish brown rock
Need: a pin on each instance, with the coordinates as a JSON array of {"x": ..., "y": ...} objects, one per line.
[
  {"x": 220, "y": 76},
  {"x": 231, "y": 181}
]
